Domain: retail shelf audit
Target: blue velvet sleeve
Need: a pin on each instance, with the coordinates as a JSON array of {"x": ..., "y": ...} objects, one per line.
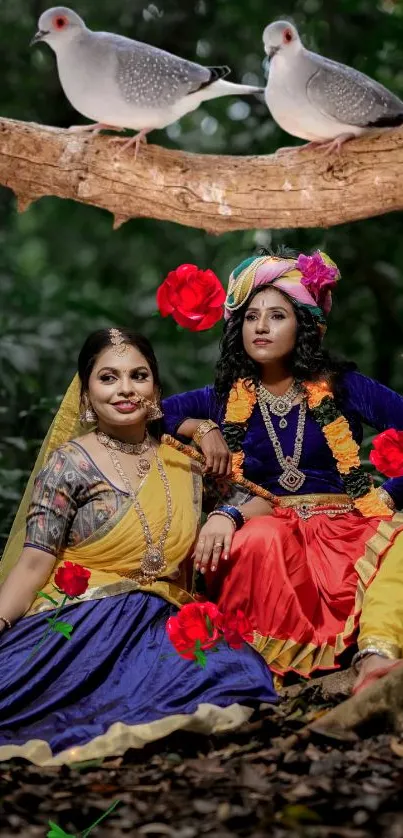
[
  {"x": 379, "y": 407},
  {"x": 196, "y": 404}
]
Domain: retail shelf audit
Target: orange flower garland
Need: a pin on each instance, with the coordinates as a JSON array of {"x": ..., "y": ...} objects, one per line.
[
  {"x": 345, "y": 450},
  {"x": 241, "y": 401},
  {"x": 337, "y": 432}
]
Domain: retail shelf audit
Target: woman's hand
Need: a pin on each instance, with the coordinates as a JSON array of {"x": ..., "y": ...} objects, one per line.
[
  {"x": 217, "y": 454},
  {"x": 214, "y": 542}
]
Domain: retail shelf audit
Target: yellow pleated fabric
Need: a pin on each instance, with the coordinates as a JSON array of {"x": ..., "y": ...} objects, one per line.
[{"x": 381, "y": 624}]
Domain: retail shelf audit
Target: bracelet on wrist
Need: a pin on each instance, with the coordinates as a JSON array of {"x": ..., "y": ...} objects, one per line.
[
  {"x": 5, "y": 621},
  {"x": 384, "y": 495},
  {"x": 232, "y": 512},
  {"x": 365, "y": 653},
  {"x": 202, "y": 429}
]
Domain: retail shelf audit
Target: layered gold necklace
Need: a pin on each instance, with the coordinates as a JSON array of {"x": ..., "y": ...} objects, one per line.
[{"x": 153, "y": 562}]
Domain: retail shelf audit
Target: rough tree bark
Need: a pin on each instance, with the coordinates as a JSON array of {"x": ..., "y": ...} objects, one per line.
[{"x": 214, "y": 193}]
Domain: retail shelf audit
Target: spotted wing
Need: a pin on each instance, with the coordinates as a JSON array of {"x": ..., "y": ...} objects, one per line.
[
  {"x": 148, "y": 76},
  {"x": 350, "y": 97}
]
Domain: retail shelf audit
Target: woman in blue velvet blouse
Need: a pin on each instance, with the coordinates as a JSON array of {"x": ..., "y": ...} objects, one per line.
[{"x": 285, "y": 415}]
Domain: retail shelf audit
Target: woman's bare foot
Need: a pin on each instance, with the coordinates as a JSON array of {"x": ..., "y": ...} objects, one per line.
[{"x": 371, "y": 668}]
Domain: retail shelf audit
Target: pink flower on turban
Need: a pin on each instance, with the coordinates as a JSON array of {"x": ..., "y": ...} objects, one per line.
[{"x": 318, "y": 278}]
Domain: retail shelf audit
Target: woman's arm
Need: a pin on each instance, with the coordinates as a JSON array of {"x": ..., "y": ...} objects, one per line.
[
  {"x": 182, "y": 416},
  {"x": 215, "y": 538},
  {"x": 381, "y": 408},
  {"x": 24, "y": 581},
  {"x": 186, "y": 408},
  {"x": 50, "y": 514}
]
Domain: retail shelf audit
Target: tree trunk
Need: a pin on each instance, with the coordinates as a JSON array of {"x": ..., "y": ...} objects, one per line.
[{"x": 214, "y": 193}]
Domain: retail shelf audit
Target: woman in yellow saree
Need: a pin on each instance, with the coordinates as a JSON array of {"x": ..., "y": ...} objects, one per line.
[
  {"x": 125, "y": 507},
  {"x": 380, "y": 642}
]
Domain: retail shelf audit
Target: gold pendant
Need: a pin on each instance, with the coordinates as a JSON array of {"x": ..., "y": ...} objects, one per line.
[
  {"x": 153, "y": 563},
  {"x": 292, "y": 478},
  {"x": 143, "y": 467}
]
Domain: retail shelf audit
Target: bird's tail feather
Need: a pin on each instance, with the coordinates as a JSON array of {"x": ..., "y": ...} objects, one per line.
[
  {"x": 227, "y": 88},
  {"x": 216, "y": 73}
]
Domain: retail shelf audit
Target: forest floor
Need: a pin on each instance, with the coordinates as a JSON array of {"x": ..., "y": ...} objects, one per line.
[{"x": 249, "y": 783}]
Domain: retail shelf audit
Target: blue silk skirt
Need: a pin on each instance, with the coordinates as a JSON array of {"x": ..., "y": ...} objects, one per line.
[{"x": 117, "y": 683}]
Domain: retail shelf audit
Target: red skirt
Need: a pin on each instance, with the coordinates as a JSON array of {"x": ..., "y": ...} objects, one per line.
[{"x": 302, "y": 581}]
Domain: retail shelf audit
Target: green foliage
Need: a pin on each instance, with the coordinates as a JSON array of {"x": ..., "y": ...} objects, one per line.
[{"x": 64, "y": 272}]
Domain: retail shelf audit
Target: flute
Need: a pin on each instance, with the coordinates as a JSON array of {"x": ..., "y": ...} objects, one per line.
[{"x": 191, "y": 452}]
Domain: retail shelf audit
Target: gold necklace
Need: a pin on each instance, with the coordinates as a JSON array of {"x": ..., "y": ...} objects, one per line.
[
  {"x": 153, "y": 562},
  {"x": 291, "y": 478},
  {"x": 280, "y": 405},
  {"x": 143, "y": 465}
]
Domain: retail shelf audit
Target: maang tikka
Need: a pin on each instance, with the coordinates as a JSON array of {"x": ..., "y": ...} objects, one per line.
[{"x": 118, "y": 342}]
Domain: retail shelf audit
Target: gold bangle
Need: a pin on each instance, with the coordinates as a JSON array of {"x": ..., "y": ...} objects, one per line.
[
  {"x": 202, "y": 429},
  {"x": 386, "y": 498},
  {"x": 5, "y": 621}
]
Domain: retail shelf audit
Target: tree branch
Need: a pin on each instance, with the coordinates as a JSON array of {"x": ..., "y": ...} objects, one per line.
[{"x": 214, "y": 193}]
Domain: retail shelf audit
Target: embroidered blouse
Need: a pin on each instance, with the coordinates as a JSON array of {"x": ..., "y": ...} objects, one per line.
[
  {"x": 71, "y": 501},
  {"x": 365, "y": 401}
]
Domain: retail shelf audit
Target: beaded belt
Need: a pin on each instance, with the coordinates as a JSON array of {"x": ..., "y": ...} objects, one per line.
[{"x": 307, "y": 505}]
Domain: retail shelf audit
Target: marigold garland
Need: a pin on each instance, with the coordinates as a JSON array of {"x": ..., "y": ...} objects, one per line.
[
  {"x": 337, "y": 432},
  {"x": 241, "y": 401}
]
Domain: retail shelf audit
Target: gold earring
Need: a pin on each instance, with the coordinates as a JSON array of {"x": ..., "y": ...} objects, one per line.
[
  {"x": 154, "y": 412},
  {"x": 87, "y": 414}
]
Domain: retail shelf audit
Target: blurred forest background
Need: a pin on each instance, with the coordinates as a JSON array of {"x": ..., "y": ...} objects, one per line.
[{"x": 64, "y": 272}]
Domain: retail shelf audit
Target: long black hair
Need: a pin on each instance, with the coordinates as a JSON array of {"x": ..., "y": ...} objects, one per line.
[
  {"x": 308, "y": 361},
  {"x": 97, "y": 341}
]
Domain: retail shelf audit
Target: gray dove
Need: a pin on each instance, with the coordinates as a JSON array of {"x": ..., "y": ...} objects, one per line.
[
  {"x": 121, "y": 83},
  {"x": 320, "y": 100}
]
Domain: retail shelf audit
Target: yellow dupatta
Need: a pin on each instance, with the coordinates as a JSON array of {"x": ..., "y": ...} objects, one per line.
[{"x": 115, "y": 556}]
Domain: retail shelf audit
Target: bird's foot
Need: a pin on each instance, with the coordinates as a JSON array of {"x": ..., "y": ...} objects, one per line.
[
  {"x": 330, "y": 146},
  {"x": 297, "y": 148},
  {"x": 327, "y": 146},
  {"x": 132, "y": 141},
  {"x": 94, "y": 127}
]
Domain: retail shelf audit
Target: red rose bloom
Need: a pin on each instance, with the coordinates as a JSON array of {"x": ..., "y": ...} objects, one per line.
[
  {"x": 236, "y": 629},
  {"x": 72, "y": 579},
  {"x": 196, "y": 621},
  {"x": 192, "y": 297},
  {"x": 387, "y": 453}
]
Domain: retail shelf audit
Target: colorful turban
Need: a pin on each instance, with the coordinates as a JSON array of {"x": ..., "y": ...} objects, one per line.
[{"x": 308, "y": 280}]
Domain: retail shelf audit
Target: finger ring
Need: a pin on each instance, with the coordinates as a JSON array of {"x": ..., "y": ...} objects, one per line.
[{"x": 218, "y": 543}]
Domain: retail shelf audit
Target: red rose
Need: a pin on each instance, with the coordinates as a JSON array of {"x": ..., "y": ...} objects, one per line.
[
  {"x": 196, "y": 621},
  {"x": 194, "y": 298},
  {"x": 72, "y": 579},
  {"x": 387, "y": 453},
  {"x": 236, "y": 629}
]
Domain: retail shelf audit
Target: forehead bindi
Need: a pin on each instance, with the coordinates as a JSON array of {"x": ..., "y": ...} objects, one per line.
[{"x": 270, "y": 298}]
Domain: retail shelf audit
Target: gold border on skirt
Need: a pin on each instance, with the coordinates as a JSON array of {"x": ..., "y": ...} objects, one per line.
[{"x": 304, "y": 658}]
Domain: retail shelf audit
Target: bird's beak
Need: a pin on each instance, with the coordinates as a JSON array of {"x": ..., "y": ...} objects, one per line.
[
  {"x": 38, "y": 37},
  {"x": 272, "y": 52}
]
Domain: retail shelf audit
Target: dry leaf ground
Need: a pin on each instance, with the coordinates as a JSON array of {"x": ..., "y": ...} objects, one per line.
[{"x": 244, "y": 784}]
